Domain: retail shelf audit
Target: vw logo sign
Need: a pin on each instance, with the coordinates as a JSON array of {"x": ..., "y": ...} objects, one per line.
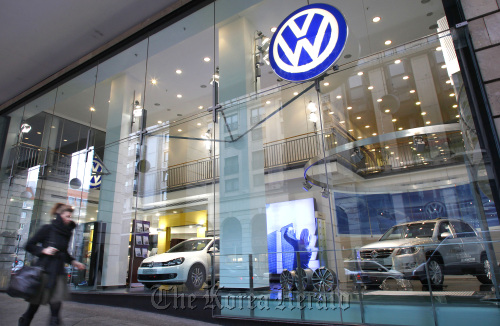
[
  {"x": 308, "y": 42},
  {"x": 95, "y": 179},
  {"x": 435, "y": 209}
]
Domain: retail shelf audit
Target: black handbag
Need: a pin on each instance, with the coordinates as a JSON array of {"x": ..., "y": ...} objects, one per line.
[{"x": 26, "y": 282}]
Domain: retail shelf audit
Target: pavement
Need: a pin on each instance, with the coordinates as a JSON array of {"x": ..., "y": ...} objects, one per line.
[{"x": 83, "y": 314}]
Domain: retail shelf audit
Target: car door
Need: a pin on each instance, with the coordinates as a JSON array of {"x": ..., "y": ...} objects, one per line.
[
  {"x": 471, "y": 244},
  {"x": 450, "y": 247}
]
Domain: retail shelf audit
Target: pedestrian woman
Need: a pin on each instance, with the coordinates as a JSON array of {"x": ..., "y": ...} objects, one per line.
[{"x": 50, "y": 244}]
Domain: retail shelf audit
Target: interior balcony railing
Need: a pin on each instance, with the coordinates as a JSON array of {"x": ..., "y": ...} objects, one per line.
[{"x": 290, "y": 153}]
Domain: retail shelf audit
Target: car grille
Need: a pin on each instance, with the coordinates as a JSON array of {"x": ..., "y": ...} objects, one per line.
[
  {"x": 156, "y": 277},
  {"x": 376, "y": 253}
]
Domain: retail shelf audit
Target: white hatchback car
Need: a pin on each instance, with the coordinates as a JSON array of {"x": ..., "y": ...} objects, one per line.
[{"x": 189, "y": 263}]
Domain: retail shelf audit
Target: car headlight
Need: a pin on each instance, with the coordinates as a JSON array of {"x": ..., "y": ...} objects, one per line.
[
  {"x": 408, "y": 250},
  {"x": 173, "y": 262}
]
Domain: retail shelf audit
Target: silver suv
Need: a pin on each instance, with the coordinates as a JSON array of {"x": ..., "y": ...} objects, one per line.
[{"x": 448, "y": 246}]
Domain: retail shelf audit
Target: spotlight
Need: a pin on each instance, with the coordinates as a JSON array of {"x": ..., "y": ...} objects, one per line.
[
  {"x": 357, "y": 156},
  {"x": 306, "y": 186},
  {"x": 325, "y": 193}
]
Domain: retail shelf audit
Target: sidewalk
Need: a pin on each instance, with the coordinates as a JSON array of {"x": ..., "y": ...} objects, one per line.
[{"x": 81, "y": 314}]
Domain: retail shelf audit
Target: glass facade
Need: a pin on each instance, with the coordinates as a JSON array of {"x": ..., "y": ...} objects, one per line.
[{"x": 360, "y": 197}]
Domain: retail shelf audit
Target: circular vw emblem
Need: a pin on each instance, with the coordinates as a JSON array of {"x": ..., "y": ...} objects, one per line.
[
  {"x": 435, "y": 209},
  {"x": 95, "y": 179},
  {"x": 374, "y": 254},
  {"x": 308, "y": 42}
]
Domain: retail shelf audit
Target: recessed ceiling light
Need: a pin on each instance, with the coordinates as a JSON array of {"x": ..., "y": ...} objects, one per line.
[
  {"x": 65, "y": 140},
  {"x": 400, "y": 128},
  {"x": 448, "y": 81},
  {"x": 52, "y": 127},
  {"x": 417, "y": 103},
  {"x": 360, "y": 73},
  {"x": 268, "y": 102},
  {"x": 38, "y": 132},
  {"x": 342, "y": 121},
  {"x": 26, "y": 138},
  {"x": 359, "y": 118},
  {"x": 367, "y": 126},
  {"x": 452, "y": 94},
  {"x": 349, "y": 108},
  {"x": 179, "y": 95},
  {"x": 351, "y": 130},
  {"x": 178, "y": 71},
  {"x": 438, "y": 48},
  {"x": 423, "y": 113},
  {"x": 326, "y": 84},
  {"x": 331, "y": 112},
  {"x": 412, "y": 91},
  {"x": 455, "y": 106},
  {"x": 443, "y": 66},
  {"x": 427, "y": 122},
  {"x": 159, "y": 121},
  {"x": 370, "y": 87},
  {"x": 179, "y": 130},
  {"x": 387, "y": 110},
  {"x": 394, "y": 120},
  {"x": 360, "y": 137},
  {"x": 92, "y": 109},
  {"x": 406, "y": 77},
  {"x": 376, "y": 19},
  {"x": 109, "y": 101},
  {"x": 295, "y": 93},
  {"x": 388, "y": 42},
  {"x": 374, "y": 134},
  {"x": 457, "y": 116},
  {"x": 206, "y": 59},
  {"x": 397, "y": 61},
  {"x": 386, "y": 147},
  {"x": 379, "y": 100},
  {"x": 198, "y": 124},
  {"x": 273, "y": 29},
  {"x": 339, "y": 96},
  {"x": 154, "y": 81}
]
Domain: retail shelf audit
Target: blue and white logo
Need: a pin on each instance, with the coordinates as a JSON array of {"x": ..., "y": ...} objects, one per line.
[
  {"x": 308, "y": 42},
  {"x": 95, "y": 179}
]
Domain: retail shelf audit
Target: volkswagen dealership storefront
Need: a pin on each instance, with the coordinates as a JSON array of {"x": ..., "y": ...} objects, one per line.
[{"x": 323, "y": 158}]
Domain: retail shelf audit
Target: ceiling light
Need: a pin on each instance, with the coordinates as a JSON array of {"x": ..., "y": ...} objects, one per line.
[
  {"x": 273, "y": 29},
  {"x": 154, "y": 81},
  {"x": 412, "y": 91},
  {"x": 452, "y": 94},
  {"x": 387, "y": 42},
  {"x": 178, "y": 71},
  {"x": 427, "y": 122},
  {"x": 326, "y": 84},
  {"x": 438, "y": 48},
  {"x": 179, "y": 130},
  {"x": 295, "y": 93},
  {"x": 38, "y": 132},
  {"x": 448, "y": 81},
  {"x": 159, "y": 121},
  {"x": 349, "y": 108},
  {"x": 342, "y": 121},
  {"x": 312, "y": 106},
  {"x": 65, "y": 140},
  {"x": 379, "y": 100},
  {"x": 370, "y": 87},
  {"x": 92, "y": 109},
  {"x": 417, "y": 103},
  {"x": 206, "y": 59},
  {"x": 387, "y": 111},
  {"x": 367, "y": 126},
  {"x": 457, "y": 116},
  {"x": 359, "y": 118},
  {"x": 200, "y": 107},
  {"x": 360, "y": 73},
  {"x": 376, "y": 19},
  {"x": 198, "y": 124},
  {"x": 400, "y": 128},
  {"x": 406, "y": 77},
  {"x": 397, "y": 61},
  {"x": 373, "y": 150},
  {"x": 455, "y": 106},
  {"x": 360, "y": 137},
  {"x": 268, "y": 102},
  {"x": 386, "y": 147},
  {"x": 443, "y": 66},
  {"x": 52, "y": 126},
  {"x": 423, "y": 113},
  {"x": 339, "y": 96},
  {"x": 351, "y": 130},
  {"x": 331, "y": 112},
  {"x": 394, "y": 120},
  {"x": 374, "y": 134},
  {"x": 179, "y": 95},
  {"x": 313, "y": 117}
]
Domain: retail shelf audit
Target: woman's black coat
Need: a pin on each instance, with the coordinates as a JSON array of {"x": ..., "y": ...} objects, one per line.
[{"x": 57, "y": 235}]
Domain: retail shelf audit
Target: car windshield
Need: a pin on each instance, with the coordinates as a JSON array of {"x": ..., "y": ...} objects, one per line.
[
  {"x": 407, "y": 231},
  {"x": 190, "y": 245}
]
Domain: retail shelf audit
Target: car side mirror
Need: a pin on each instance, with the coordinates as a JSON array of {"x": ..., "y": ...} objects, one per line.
[
  {"x": 444, "y": 235},
  {"x": 212, "y": 250}
]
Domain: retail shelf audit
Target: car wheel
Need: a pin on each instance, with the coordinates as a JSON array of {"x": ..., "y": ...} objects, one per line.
[
  {"x": 435, "y": 271},
  {"x": 287, "y": 280},
  {"x": 324, "y": 280},
  {"x": 196, "y": 277},
  {"x": 485, "y": 276},
  {"x": 304, "y": 276}
]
